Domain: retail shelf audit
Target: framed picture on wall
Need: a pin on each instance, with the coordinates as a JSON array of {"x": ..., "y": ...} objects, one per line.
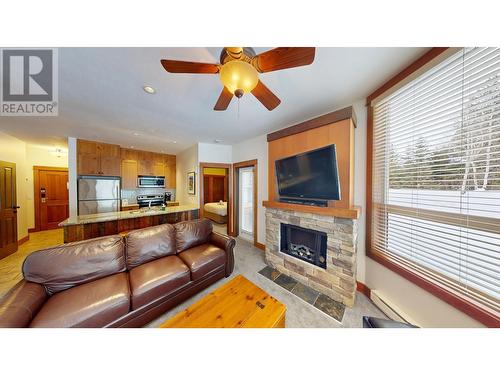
[{"x": 191, "y": 183}]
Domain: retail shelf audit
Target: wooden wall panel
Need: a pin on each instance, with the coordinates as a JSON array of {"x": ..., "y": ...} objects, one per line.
[{"x": 341, "y": 134}]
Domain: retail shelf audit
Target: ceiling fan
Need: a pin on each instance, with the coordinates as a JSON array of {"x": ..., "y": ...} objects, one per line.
[{"x": 239, "y": 70}]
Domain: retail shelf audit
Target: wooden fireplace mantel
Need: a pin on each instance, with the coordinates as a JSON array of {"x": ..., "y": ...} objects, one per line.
[{"x": 348, "y": 213}]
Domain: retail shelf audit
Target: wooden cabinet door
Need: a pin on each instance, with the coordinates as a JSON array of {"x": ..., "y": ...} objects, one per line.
[
  {"x": 128, "y": 154},
  {"x": 159, "y": 168},
  {"x": 88, "y": 162},
  {"x": 129, "y": 174},
  {"x": 110, "y": 159},
  {"x": 146, "y": 163},
  {"x": 170, "y": 171}
]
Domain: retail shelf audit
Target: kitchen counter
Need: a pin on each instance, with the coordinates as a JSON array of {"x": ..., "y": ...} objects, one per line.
[
  {"x": 84, "y": 227},
  {"x": 120, "y": 215}
]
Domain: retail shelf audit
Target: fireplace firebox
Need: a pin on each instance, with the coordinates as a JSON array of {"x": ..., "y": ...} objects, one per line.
[{"x": 305, "y": 244}]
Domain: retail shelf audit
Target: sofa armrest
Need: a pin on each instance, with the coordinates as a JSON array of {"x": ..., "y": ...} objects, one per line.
[
  {"x": 226, "y": 243},
  {"x": 20, "y": 305}
]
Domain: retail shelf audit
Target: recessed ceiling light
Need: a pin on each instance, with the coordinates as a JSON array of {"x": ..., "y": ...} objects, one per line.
[
  {"x": 131, "y": 146},
  {"x": 136, "y": 134},
  {"x": 217, "y": 140},
  {"x": 174, "y": 141},
  {"x": 149, "y": 89}
]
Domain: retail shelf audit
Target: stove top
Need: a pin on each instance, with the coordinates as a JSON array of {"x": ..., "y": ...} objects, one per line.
[{"x": 155, "y": 199}]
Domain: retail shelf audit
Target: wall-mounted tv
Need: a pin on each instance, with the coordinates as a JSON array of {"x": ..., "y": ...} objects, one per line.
[{"x": 311, "y": 175}]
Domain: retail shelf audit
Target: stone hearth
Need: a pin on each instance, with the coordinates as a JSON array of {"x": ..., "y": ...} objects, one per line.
[{"x": 338, "y": 280}]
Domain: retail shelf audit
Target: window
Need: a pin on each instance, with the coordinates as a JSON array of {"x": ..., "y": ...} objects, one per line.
[{"x": 435, "y": 199}]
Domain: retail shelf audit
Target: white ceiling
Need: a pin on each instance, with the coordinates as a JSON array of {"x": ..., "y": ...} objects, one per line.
[{"x": 101, "y": 96}]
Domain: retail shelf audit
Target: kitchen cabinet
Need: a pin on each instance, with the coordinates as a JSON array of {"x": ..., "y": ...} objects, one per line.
[
  {"x": 103, "y": 159},
  {"x": 159, "y": 168},
  {"x": 146, "y": 163},
  {"x": 129, "y": 168},
  {"x": 170, "y": 171},
  {"x": 99, "y": 159},
  {"x": 129, "y": 174}
]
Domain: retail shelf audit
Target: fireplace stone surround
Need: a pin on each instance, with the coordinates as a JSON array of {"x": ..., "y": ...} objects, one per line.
[{"x": 338, "y": 280}]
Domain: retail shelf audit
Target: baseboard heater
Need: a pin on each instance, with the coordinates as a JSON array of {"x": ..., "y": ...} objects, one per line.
[{"x": 390, "y": 309}]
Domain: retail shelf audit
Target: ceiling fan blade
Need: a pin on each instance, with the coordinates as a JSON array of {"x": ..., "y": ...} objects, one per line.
[
  {"x": 265, "y": 96},
  {"x": 174, "y": 66},
  {"x": 224, "y": 100},
  {"x": 283, "y": 58}
]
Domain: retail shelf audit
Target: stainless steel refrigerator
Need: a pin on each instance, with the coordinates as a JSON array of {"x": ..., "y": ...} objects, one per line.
[{"x": 98, "y": 194}]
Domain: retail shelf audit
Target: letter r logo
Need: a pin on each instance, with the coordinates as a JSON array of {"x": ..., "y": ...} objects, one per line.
[{"x": 27, "y": 75}]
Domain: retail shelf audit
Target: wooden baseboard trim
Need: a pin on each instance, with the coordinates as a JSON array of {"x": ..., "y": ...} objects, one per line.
[
  {"x": 23, "y": 240},
  {"x": 32, "y": 230},
  {"x": 362, "y": 288},
  {"x": 261, "y": 246}
]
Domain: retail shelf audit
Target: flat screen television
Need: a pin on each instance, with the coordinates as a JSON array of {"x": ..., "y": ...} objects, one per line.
[{"x": 311, "y": 175}]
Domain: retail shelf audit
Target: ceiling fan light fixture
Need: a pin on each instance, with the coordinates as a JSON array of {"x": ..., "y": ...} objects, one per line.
[{"x": 238, "y": 76}]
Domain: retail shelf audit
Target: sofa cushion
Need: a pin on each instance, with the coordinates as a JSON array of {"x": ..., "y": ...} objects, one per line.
[
  {"x": 145, "y": 245},
  {"x": 192, "y": 233},
  {"x": 94, "y": 304},
  {"x": 203, "y": 259},
  {"x": 158, "y": 278},
  {"x": 65, "y": 266}
]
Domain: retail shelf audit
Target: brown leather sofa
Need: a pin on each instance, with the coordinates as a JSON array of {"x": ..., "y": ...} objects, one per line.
[{"x": 118, "y": 282}]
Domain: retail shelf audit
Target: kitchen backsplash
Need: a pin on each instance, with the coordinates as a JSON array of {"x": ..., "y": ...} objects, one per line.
[{"x": 131, "y": 195}]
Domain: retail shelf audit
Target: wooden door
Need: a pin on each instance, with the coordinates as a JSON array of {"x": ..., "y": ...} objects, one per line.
[
  {"x": 170, "y": 174},
  {"x": 110, "y": 159},
  {"x": 88, "y": 158},
  {"x": 129, "y": 174},
  {"x": 146, "y": 164},
  {"x": 8, "y": 209},
  {"x": 51, "y": 185}
]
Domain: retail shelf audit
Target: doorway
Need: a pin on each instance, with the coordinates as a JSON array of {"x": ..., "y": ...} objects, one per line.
[
  {"x": 216, "y": 196},
  {"x": 8, "y": 209},
  {"x": 245, "y": 200},
  {"x": 51, "y": 197},
  {"x": 245, "y": 203}
]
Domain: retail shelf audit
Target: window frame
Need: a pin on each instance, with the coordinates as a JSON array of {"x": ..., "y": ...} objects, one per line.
[{"x": 448, "y": 295}]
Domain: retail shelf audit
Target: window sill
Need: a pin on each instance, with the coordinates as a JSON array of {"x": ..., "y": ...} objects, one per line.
[{"x": 460, "y": 302}]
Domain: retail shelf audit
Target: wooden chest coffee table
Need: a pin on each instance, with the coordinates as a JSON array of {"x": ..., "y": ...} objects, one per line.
[{"x": 236, "y": 304}]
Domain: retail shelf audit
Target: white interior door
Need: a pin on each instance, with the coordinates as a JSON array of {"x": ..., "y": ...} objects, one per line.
[{"x": 246, "y": 202}]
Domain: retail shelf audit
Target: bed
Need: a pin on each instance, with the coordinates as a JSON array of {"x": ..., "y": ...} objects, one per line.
[{"x": 216, "y": 211}]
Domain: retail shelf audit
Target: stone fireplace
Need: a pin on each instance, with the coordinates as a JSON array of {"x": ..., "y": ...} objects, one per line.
[
  {"x": 317, "y": 250},
  {"x": 315, "y": 245}
]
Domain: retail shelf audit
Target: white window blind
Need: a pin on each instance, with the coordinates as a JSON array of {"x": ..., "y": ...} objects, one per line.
[{"x": 436, "y": 176}]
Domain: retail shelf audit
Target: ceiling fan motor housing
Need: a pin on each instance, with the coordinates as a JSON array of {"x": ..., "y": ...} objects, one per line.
[{"x": 236, "y": 53}]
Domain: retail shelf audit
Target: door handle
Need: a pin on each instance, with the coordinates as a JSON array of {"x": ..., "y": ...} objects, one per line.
[{"x": 16, "y": 207}]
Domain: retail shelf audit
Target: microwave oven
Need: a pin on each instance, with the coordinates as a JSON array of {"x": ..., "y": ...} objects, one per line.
[{"x": 151, "y": 181}]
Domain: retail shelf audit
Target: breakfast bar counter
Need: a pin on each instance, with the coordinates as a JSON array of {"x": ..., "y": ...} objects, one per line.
[{"x": 84, "y": 227}]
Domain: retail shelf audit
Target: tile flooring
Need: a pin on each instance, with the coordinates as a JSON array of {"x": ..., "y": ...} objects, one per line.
[{"x": 319, "y": 300}]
